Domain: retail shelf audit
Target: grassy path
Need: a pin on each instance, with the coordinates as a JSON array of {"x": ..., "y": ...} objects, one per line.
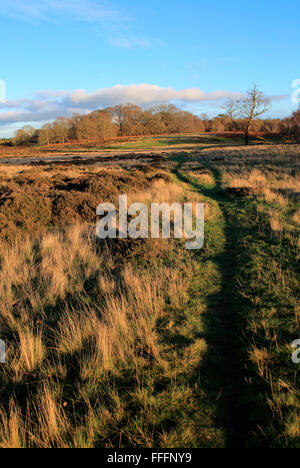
[
  {"x": 224, "y": 327},
  {"x": 250, "y": 320},
  {"x": 225, "y": 363}
]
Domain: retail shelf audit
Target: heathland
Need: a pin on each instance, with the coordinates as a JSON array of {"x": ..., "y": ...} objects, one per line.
[{"x": 141, "y": 343}]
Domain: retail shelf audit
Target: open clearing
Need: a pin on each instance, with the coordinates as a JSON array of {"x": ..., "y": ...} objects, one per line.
[
  {"x": 122, "y": 146},
  {"x": 142, "y": 343}
]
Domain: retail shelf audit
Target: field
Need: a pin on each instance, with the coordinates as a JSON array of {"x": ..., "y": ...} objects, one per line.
[
  {"x": 124, "y": 144},
  {"x": 141, "y": 343}
]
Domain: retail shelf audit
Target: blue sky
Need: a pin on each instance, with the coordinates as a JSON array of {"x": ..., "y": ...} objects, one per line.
[{"x": 62, "y": 56}]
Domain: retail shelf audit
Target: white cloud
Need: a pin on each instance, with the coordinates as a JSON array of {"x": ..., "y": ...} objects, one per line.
[
  {"x": 47, "y": 105},
  {"x": 143, "y": 95},
  {"x": 279, "y": 97}
]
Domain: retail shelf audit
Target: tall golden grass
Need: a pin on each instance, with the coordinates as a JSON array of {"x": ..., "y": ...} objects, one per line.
[{"x": 66, "y": 303}]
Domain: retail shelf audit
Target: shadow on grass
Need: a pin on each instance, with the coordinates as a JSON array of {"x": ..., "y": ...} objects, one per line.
[{"x": 240, "y": 410}]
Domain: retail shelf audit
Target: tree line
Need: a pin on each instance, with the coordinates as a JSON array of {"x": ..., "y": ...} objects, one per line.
[
  {"x": 291, "y": 126},
  {"x": 132, "y": 120},
  {"x": 123, "y": 120}
]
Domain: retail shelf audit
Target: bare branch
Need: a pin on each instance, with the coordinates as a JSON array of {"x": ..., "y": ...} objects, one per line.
[{"x": 252, "y": 106}]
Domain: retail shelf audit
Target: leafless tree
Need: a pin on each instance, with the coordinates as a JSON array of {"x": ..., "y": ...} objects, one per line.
[
  {"x": 231, "y": 109},
  {"x": 248, "y": 109}
]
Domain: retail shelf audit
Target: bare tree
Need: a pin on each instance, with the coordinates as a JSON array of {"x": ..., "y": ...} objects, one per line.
[
  {"x": 231, "y": 109},
  {"x": 248, "y": 109}
]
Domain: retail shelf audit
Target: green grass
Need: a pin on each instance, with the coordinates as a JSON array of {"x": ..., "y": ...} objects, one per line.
[
  {"x": 252, "y": 320},
  {"x": 268, "y": 284},
  {"x": 169, "y": 141},
  {"x": 199, "y": 343}
]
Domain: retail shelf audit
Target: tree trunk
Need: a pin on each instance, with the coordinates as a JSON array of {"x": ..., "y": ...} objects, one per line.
[{"x": 247, "y": 136}]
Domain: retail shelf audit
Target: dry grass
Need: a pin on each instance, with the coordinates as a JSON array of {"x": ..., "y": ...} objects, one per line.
[
  {"x": 160, "y": 191},
  {"x": 296, "y": 217},
  {"x": 108, "y": 343},
  {"x": 102, "y": 336},
  {"x": 202, "y": 178},
  {"x": 69, "y": 306}
]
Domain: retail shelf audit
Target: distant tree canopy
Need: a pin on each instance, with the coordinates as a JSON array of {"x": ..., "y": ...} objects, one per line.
[
  {"x": 123, "y": 120},
  {"x": 291, "y": 126},
  {"x": 132, "y": 120},
  {"x": 25, "y": 135}
]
